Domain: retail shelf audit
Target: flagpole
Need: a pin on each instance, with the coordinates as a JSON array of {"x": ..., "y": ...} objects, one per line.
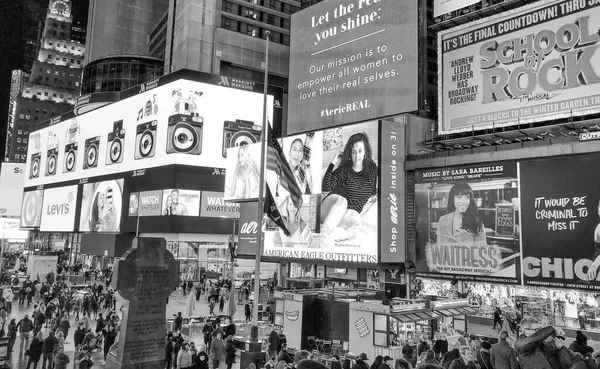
[{"x": 263, "y": 140}]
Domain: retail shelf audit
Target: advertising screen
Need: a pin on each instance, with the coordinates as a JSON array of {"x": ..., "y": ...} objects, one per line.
[
  {"x": 181, "y": 202},
  {"x": 213, "y": 204},
  {"x": 441, "y": 7},
  {"x": 534, "y": 64},
  {"x": 11, "y": 188},
  {"x": 468, "y": 223},
  {"x": 561, "y": 217},
  {"x": 101, "y": 205},
  {"x": 58, "y": 209},
  {"x": 173, "y": 121},
  {"x": 351, "y": 61},
  {"x": 337, "y": 173},
  {"x": 31, "y": 209},
  {"x": 242, "y": 172}
]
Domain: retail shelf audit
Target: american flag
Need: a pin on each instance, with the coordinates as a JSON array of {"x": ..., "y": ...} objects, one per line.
[{"x": 277, "y": 162}]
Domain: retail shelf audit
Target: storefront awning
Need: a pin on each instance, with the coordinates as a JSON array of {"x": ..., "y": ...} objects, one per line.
[
  {"x": 464, "y": 310},
  {"x": 416, "y": 316}
]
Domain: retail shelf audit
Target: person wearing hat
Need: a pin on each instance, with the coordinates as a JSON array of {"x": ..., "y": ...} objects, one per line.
[
  {"x": 483, "y": 356},
  {"x": 361, "y": 362},
  {"x": 386, "y": 362}
]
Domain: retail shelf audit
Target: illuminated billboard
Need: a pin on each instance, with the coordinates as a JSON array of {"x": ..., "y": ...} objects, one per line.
[
  {"x": 352, "y": 61},
  {"x": 101, "y": 205},
  {"x": 537, "y": 63},
  {"x": 58, "y": 209},
  {"x": 337, "y": 172},
  {"x": 173, "y": 121}
]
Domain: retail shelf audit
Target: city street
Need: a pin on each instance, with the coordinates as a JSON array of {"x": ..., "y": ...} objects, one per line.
[{"x": 177, "y": 303}]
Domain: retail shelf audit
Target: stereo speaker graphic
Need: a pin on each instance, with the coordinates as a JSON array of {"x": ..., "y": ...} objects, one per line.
[
  {"x": 184, "y": 134},
  {"x": 31, "y": 209},
  {"x": 115, "y": 144},
  {"x": 92, "y": 147},
  {"x": 36, "y": 163},
  {"x": 70, "y": 159},
  {"x": 145, "y": 140},
  {"x": 239, "y": 133},
  {"x": 51, "y": 162}
]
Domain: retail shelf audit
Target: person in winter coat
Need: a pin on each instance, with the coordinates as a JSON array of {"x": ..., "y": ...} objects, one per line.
[
  {"x": 178, "y": 322},
  {"x": 284, "y": 355},
  {"x": 451, "y": 355},
  {"x": 110, "y": 335},
  {"x": 483, "y": 357},
  {"x": 168, "y": 350},
  {"x": 377, "y": 362},
  {"x": 48, "y": 348},
  {"x": 502, "y": 355},
  {"x": 11, "y": 333},
  {"x": 360, "y": 362},
  {"x": 216, "y": 350},
  {"x": 35, "y": 350},
  {"x": 79, "y": 336},
  {"x": 61, "y": 360},
  {"x": 247, "y": 312},
  {"x": 273, "y": 344},
  {"x": 64, "y": 325},
  {"x": 25, "y": 326},
  {"x": 207, "y": 331},
  {"x": 184, "y": 360},
  {"x": 229, "y": 352},
  {"x": 465, "y": 361},
  {"x": 201, "y": 361}
]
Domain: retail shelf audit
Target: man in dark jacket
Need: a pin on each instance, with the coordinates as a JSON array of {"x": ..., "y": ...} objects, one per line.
[
  {"x": 502, "y": 355},
  {"x": 529, "y": 345},
  {"x": 100, "y": 323},
  {"x": 386, "y": 362},
  {"x": 483, "y": 356},
  {"x": 39, "y": 319},
  {"x": 48, "y": 348},
  {"x": 360, "y": 362},
  {"x": 168, "y": 350},
  {"x": 273, "y": 344},
  {"x": 284, "y": 355},
  {"x": 25, "y": 326},
  {"x": 230, "y": 329},
  {"x": 79, "y": 336}
]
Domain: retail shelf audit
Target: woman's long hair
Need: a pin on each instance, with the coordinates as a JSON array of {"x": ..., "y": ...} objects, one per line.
[
  {"x": 347, "y": 154},
  {"x": 471, "y": 221}
]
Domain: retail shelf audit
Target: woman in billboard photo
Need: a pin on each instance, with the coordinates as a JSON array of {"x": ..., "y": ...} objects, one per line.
[
  {"x": 300, "y": 164},
  {"x": 244, "y": 184},
  {"x": 462, "y": 224},
  {"x": 300, "y": 233},
  {"x": 104, "y": 215},
  {"x": 351, "y": 180},
  {"x": 593, "y": 269}
]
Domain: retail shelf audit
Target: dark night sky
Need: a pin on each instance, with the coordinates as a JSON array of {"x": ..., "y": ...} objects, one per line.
[{"x": 13, "y": 21}]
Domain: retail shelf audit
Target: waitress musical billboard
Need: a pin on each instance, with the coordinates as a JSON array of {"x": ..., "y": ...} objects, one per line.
[
  {"x": 561, "y": 222},
  {"x": 468, "y": 223}
]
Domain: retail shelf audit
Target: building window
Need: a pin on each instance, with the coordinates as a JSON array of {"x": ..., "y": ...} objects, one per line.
[
  {"x": 45, "y": 93},
  {"x": 62, "y": 96},
  {"x": 380, "y": 330},
  {"x": 25, "y": 140}
]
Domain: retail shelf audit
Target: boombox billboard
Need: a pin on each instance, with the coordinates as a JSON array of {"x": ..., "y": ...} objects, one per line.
[{"x": 183, "y": 118}]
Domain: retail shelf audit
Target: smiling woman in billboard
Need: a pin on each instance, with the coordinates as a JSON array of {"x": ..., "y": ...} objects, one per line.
[
  {"x": 104, "y": 216},
  {"x": 246, "y": 176},
  {"x": 299, "y": 165},
  {"x": 462, "y": 224},
  {"x": 300, "y": 232},
  {"x": 351, "y": 180}
]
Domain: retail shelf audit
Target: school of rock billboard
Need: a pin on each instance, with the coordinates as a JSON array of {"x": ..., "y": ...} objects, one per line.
[
  {"x": 534, "y": 64},
  {"x": 352, "y": 61},
  {"x": 535, "y": 221}
]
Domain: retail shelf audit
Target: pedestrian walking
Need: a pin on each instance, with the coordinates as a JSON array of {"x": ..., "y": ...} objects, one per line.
[
  {"x": 35, "y": 350},
  {"x": 502, "y": 355},
  {"x": 25, "y": 326}
]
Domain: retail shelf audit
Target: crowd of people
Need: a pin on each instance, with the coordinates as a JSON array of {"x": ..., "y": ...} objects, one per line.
[
  {"x": 218, "y": 346},
  {"x": 43, "y": 333}
]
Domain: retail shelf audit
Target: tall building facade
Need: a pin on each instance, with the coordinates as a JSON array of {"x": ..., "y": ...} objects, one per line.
[
  {"x": 214, "y": 36},
  {"x": 52, "y": 85}
]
